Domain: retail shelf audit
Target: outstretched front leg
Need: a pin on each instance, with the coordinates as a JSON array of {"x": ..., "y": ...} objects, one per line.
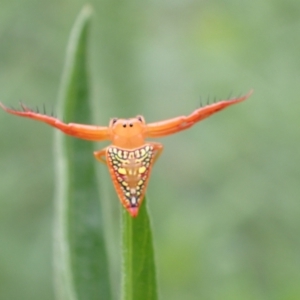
[
  {"x": 174, "y": 125},
  {"x": 86, "y": 132}
]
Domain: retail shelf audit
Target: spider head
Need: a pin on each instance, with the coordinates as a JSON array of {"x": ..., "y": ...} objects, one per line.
[{"x": 128, "y": 132}]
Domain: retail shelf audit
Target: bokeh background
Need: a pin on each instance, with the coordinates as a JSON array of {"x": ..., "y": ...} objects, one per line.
[{"x": 224, "y": 196}]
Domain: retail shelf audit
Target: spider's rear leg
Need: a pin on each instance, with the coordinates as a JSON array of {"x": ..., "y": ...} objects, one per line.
[
  {"x": 101, "y": 155},
  {"x": 158, "y": 148}
]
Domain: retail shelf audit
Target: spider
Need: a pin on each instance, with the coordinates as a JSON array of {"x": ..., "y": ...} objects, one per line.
[{"x": 130, "y": 156}]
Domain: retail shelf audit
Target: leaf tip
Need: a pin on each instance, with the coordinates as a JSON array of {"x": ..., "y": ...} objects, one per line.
[{"x": 87, "y": 10}]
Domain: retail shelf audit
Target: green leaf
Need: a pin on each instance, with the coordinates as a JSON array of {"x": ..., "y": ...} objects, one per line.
[
  {"x": 81, "y": 267},
  {"x": 139, "y": 276}
]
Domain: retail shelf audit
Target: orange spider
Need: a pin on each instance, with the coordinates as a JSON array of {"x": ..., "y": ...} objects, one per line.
[{"x": 129, "y": 157}]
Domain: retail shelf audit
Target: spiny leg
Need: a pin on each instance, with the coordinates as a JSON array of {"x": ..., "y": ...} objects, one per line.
[
  {"x": 87, "y": 132},
  {"x": 164, "y": 128}
]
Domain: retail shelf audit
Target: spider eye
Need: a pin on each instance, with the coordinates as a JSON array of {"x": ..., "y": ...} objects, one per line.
[{"x": 114, "y": 120}]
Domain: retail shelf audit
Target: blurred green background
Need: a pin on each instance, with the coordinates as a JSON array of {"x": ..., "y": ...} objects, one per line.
[{"x": 224, "y": 195}]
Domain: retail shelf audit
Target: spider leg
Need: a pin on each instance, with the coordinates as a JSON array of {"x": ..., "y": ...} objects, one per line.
[
  {"x": 86, "y": 132},
  {"x": 100, "y": 155},
  {"x": 159, "y": 148},
  {"x": 164, "y": 128}
]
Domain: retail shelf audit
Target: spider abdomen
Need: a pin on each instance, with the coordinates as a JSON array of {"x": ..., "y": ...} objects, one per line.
[{"x": 130, "y": 171}]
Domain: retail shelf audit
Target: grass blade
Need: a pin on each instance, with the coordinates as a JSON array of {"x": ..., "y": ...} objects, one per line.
[
  {"x": 81, "y": 261},
  {"x": 139, "y": 277}
]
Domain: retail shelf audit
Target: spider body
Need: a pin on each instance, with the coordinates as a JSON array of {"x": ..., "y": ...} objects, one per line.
[
  {"x": 130, "y": 171},
  {"x": 130, "y": 156}
]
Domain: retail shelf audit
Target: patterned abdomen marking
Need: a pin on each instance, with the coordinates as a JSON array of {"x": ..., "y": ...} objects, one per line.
[{"x": 130, "y": 171}]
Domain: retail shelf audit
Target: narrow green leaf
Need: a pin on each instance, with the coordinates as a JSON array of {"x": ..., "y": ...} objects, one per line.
[
  {"x": 81, "y": 268},
  {"x": 139, "y": 275}
]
